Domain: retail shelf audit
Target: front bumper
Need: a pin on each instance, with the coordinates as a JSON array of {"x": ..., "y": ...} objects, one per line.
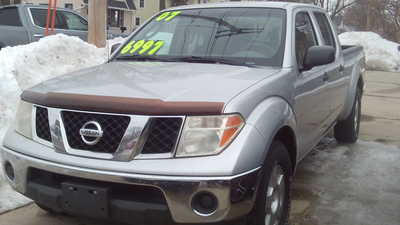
[{"x": 235, "y": 194}]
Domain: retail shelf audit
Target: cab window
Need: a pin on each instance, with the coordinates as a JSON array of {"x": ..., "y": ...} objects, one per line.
[
  {"x": 64, "y": 20},
  {"x": 10, "y": 17},
  {"x": 325, "y": 29},
  {"x": 305, "y": 37}
]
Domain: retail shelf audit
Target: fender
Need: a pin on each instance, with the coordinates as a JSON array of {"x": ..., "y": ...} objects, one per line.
[
  {"x": 268, "y": 118},
  {"x": 356, "y": 75}
]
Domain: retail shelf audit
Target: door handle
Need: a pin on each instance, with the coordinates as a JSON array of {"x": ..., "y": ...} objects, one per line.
[
  {"x": 38, "y": 35},
  {"x": 341, "y": 68},
  {"x": 325, "y": 78}
]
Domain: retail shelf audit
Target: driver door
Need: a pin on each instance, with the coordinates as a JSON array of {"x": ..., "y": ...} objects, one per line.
[{"x": 310, "y": 87}]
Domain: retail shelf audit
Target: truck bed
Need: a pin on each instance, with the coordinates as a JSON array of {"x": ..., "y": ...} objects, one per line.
[{"x": 352, "y": 54}]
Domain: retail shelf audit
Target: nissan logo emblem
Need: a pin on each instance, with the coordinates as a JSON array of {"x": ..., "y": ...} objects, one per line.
[{"x": 91, "y": 133}]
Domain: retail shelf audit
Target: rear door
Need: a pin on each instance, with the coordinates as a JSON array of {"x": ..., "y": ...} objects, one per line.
[
  {"x": 12, "y": 32},
  {"x": 310, "y": 88},
  {"x": 334, "y": 72},
  {"x": 66, "y": 22}
]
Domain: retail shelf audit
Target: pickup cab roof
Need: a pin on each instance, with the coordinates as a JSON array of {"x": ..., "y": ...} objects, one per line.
[
  {"x": 24, "y": 5},
  {"x": 280, "y": 5}
]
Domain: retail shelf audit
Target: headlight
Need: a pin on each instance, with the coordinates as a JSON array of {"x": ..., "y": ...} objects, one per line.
[
  {"x": 208, "y": 135},
  {"x": 23, "y": 119}
]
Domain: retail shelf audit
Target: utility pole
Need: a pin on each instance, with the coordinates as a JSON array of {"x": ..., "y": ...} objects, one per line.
[
  {"x": 369, "y": 15},
  {"x": 97, "y": 22}
]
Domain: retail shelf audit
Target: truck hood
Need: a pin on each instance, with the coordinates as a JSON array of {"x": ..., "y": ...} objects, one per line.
[
  {"x": 161, "y": 81},
  {"x": 166, "y": 81}
]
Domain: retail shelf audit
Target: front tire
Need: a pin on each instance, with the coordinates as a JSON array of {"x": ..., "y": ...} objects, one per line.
[
  {"x": 272, "y": 205},
  {"x": 347, "y": 131}
]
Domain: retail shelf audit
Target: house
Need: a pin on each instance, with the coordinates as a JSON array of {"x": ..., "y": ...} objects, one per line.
[{"x": 9, "y": 2}]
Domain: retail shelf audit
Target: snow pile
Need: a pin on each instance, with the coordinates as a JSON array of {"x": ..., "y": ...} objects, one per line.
[
  {"x": 24, "y": 66},
  {"x": 381, "y": 54}
]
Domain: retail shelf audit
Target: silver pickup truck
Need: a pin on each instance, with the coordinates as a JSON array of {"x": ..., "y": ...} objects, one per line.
[
  {"x": 25, "y": 23},
  {"x": 201, "y": 116}
]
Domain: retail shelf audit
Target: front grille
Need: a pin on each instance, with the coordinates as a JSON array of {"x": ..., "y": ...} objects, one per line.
[
  {"x": 163, "y": 135},
  {"x": 113, "y": 126},
  {"x": 42, "y": 124}
]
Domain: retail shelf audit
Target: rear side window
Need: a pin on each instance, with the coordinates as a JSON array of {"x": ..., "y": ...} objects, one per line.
[
  {"x": 73, "y": 21},
  {"x": 326, "y": 29},
  {"x": 10, "y": 17},
  {"x": 64, "y": 20}
]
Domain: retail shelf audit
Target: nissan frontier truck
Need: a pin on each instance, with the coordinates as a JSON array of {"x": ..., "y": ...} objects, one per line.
[{"x": 201, "y": 116}]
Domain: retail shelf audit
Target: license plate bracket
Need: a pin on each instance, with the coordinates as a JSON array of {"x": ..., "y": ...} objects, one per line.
[{"x": 85, "y": 200}]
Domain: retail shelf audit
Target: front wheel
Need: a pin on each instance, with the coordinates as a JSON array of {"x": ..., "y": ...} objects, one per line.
[
  {"x": 273, "y": 197},
  {"x": 347, "y": 131}
]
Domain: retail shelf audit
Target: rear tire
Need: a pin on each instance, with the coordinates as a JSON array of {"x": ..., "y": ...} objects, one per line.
[
  {"x": 347, "y": 131},
  {"x": 272, "y": 205}
]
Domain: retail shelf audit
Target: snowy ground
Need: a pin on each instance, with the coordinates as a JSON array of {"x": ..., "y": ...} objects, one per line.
[
  {"x": 381, "y": 54},
  {"x": 348, "y": 184}
]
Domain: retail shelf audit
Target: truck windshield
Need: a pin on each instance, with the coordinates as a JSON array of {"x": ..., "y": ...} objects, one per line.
[{"x": 239, "y": 36}]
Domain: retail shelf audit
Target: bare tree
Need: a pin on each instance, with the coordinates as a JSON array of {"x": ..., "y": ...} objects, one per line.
[
  {"x": 393, "y": 16},
  {"x": 334, "y": 7},
  {"x": 379, "y": 16}
]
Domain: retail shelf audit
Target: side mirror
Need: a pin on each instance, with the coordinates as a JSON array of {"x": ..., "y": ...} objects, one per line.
[
  {"x": 398, "y": 48},
  {"x": 123, "y": 29},
  {"x": 319, "y": 55},
  {"x": 115, "y": 47}
]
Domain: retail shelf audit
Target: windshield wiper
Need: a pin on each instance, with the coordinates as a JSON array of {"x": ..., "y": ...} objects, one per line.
[
  {"x": 223, "y": 33},
  {"x": 191, "y": 59},
  {"x": 199, "y": 59}
]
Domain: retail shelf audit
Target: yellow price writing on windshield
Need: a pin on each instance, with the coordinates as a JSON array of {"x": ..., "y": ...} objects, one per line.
[
  {"x": 168, "y": 16},
  {"x": 142, "y": 46}
]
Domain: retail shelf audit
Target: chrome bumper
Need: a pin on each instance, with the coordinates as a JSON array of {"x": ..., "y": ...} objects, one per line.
[{"x": 178, "y": 190}]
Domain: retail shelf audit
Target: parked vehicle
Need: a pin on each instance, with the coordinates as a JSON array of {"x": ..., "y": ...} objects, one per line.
[
  {"x": 200, "y": 116},
  {"x": 25, "y": 23}
]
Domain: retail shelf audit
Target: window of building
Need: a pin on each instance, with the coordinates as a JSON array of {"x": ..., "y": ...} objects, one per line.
[
  {"x": 141, "y": 3},
  {"x": 69, "y": 6},
  {"x": 326, "y": 29},
  {"x": 5, "y": 2},
  {"x": 64, "y": 20},
  {"x": 305, "y": 37},
  {"x": 115, "y": 18},
  {"x": 137, "y": 21},
  {"x": 10, "y": 17}
]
